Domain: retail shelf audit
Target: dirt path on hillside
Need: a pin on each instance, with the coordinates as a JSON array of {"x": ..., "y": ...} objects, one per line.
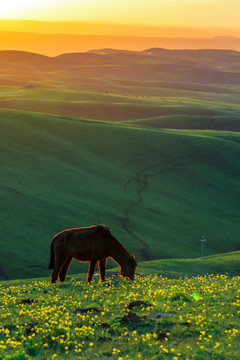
[{"x": 141, "y": 180}]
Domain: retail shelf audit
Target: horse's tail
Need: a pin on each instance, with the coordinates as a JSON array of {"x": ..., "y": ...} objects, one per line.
[{"x": 51, "y": 262}]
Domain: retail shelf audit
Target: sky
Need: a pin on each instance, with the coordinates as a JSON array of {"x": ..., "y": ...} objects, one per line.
[{"x": 220, "y": 13}]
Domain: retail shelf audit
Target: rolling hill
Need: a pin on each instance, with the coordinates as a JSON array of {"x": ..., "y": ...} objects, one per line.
[
  {"x": 178, "y": 89},
  {"x": 159, "y": 190},
  {"x": 146, "y": 142},
  {"x": 227, "y": 263}
]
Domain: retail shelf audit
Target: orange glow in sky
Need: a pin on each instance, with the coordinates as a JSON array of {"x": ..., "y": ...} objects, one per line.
[{"x": 142, "y": 12}]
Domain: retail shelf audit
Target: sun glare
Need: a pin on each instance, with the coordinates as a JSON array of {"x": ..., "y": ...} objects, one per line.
[
  {"x": 152, "y": 12},
  {"x": 15, "y": 9}
]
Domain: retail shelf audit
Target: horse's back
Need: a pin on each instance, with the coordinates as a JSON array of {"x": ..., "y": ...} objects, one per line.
[
  {"x": 84, "y": 243},
  {"x": 88, "y": 243}
]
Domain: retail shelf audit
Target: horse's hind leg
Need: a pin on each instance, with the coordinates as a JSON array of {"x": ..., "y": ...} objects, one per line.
[
  {"x": 91, "y": 268},
  {"x": 63, "y": 272},
  {"x": 57, "y": 268},
  {"x": 54, "y": 275},
  {"x": 101, "y": 266}
]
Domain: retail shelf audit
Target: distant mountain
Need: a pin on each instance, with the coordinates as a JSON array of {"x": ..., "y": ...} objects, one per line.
[
  {"x": 153, "y": 64},
  {"x": 25, "y": 58},
  {"x": 56, "y": 44}
]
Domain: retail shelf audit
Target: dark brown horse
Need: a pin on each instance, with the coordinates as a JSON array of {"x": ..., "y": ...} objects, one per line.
[{"x": 92, "y": 244}]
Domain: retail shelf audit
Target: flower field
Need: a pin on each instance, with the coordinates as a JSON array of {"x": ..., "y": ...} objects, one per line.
[{"x": 150, "y": 318}]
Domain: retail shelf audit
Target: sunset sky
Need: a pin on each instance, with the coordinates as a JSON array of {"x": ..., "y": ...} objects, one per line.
[
  {"x": 82, "y": 25},
  {"x": 224, "y": 13}
]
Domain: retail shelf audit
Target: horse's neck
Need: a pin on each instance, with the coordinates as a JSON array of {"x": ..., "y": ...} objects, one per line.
[{"x": 119, "y": 253}]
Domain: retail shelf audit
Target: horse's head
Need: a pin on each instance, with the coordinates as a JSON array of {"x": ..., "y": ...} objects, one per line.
[{"x": 128, "y": 268}]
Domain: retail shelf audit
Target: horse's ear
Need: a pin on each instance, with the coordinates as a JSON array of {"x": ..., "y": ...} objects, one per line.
[{"x": 133, "y": 256}]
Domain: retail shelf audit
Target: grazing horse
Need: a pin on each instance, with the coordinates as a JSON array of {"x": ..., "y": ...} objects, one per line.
[{"x": 92, "y": 244}]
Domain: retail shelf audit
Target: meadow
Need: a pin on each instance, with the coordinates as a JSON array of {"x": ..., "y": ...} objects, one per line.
[
  {"x": 158, "y": 199},
  {"x": 148, "y": 144},
  {"x": 153, "y": 317},
  {"x": 144, "y": 142},
  {"x": 156, "y": 88}
]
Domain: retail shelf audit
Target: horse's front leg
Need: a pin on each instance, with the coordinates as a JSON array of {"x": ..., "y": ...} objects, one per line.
[
  {"x": 91, "y": 269},
  {"x": 101, "y": 266},
  {"x": 63, "y": 272}
]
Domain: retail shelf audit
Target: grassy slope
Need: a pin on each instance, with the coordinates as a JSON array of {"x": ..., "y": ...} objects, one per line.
[
  {"x": 158, "y": 190},
  {"x": 226, "y": 263},
  {"x": 174, "y": 268},
  {"x": 170, "y": 89},
  {"x": 179, "y": 109}
]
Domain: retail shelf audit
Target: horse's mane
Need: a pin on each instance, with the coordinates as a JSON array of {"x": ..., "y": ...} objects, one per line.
[{"x": 103, "y": 228}]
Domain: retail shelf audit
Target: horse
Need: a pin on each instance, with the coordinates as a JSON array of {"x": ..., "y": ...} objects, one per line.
[{"x": 93, "y": 244}]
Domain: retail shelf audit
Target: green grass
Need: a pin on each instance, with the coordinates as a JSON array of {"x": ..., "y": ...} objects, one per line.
[
  {"x": 176, "y": 268},
  {"x": 189, "y": 90},
  {"x": 184, "y": 110},
  {"x": 200, "y": 318},
  {"x": 159, "y": 190}
]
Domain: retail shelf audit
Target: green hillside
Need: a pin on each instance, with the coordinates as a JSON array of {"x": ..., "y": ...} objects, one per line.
[
  {"x": 156, "y": 88},
  {"x": 220, "y": 264},
  {"x": 91, "y": 143},
  {"x": 159, "y": 190},
  {"x": 178, "y": 110},
  {"x": 228, "y": 263}
]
